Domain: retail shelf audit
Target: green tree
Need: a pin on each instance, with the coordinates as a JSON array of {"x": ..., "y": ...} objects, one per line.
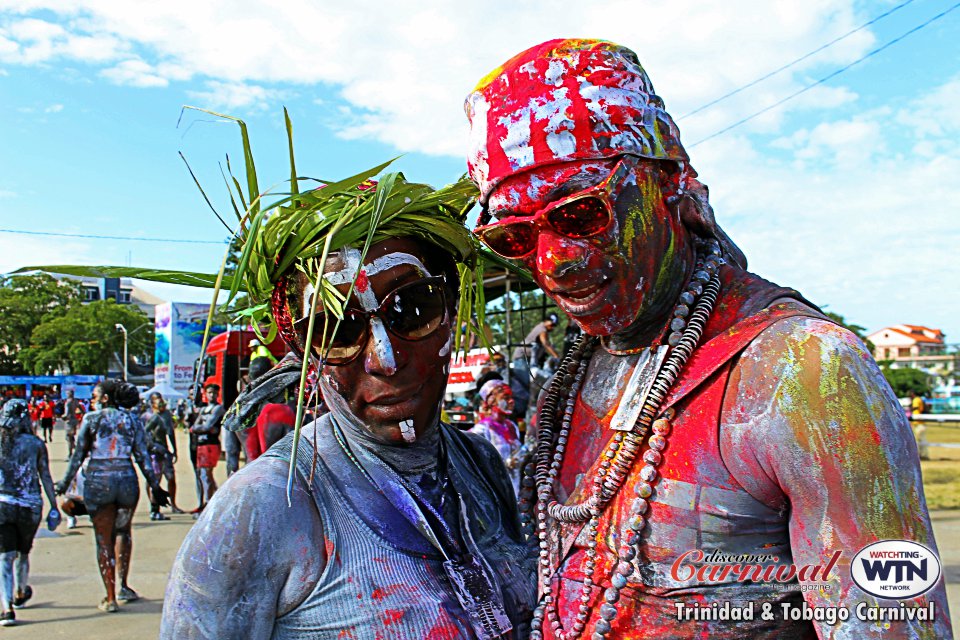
[
  {"x": 25, "y": 302},
  {"x": 85, "y": 339},
  {"x": 905, "y": 380}
]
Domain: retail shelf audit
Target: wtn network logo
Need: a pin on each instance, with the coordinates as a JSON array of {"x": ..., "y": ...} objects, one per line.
[{"x": 895, "y": 569}]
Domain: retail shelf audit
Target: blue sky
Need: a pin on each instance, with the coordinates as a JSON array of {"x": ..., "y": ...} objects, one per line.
[{"x": 848, "y": 193}]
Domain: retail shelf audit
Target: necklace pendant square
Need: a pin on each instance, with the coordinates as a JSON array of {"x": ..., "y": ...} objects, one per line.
[{"x": 638, "y": 387}]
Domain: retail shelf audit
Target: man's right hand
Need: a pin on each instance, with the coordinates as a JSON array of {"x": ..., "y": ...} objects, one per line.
[{"x": 61, "y": 487}]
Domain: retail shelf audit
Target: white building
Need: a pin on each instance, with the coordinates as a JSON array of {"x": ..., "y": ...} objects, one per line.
[{"x": 910, "y": 345}]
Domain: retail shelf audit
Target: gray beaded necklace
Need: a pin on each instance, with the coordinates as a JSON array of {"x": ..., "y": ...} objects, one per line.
[{"x": 686, "y": 330}]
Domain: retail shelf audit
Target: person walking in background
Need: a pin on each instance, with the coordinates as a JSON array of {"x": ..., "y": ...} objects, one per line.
[
  {"x": 109, "y": 436},
  {"x": 34, "y": 410},
  {"x": 535, "y": 349},
  {"x": 207, "y": 430},
  {"x": 47, "y": 410},
  {"x": 496, "y": 427},
  {"x": 24, "y": 469},
  {"x": 160, "y": 431},
  {"x": 918, "y": 406},
  {"x": 71, "y": 420}
]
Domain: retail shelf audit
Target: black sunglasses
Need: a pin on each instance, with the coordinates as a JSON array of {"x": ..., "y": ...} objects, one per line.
[{"x": 411, "y": 312}]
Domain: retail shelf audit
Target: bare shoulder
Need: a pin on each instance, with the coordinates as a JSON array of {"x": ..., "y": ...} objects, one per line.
[
  {"x": 245, "y": 558},
  {"x": 251, "y": 508},
  {"x": 804, "y": 389},
  {"x": 814, "y": 353}
]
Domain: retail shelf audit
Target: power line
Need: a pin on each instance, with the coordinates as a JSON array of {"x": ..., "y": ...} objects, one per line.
[
  {"x": 794, "y": 62},
  {"x": 826, "y": 78},
  {"x": 98, "y": 237}
]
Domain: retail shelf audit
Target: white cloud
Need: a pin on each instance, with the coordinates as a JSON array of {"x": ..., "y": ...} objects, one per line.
[
  {"x": 136, "y": 73},
  {"x": 234, "y": 95},
  {"x": 856, "y": 211},
  {"x": 34, "y": 41},
  {"x": 849, "y": 216},
  {"x": 405, "y": 77},
  {"x": 7, "y": 194},
  {"x": 53, "y": 108}
]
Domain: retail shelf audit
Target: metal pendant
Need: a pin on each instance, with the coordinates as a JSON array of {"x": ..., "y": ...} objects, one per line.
[
  {"x": 638, "y": 386},
  {"x": 479, "y": 596}
]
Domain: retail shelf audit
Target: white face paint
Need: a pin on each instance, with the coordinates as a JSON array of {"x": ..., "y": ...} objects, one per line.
[
  {"x": 354, "y": 272},
  {"x": 407, "y": 430},
  {"x": 445, "y": 349}
]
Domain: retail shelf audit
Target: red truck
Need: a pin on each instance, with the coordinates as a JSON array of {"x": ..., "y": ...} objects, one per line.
[{"x": 228, "y": 358}]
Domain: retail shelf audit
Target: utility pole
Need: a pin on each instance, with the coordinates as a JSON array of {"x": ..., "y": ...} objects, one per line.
[{"x": 122, "y": 328}]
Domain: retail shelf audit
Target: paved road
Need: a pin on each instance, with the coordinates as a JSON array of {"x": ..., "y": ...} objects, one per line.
[{"x": 67, "y": 585}]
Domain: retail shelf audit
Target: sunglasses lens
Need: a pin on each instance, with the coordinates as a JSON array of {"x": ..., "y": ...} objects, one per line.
[
  {"x": 340, "y": 347},
  {"x": 415, "y": 311},
  {"x": 349, "y": 338},
  {"x": 513, "y": 240},
  {"x": 581, "y": 218}
]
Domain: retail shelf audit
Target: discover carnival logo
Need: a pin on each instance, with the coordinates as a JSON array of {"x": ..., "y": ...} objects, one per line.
[{"x": 895, "y": 569}]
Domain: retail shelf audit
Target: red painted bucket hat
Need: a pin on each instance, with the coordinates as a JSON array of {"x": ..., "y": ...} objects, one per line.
[{"x": 563, "y": 100}]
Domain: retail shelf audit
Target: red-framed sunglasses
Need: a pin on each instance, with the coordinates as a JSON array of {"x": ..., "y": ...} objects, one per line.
[
  {"x": 411, "y": 312},
  {"x": 583, "y": 214}
]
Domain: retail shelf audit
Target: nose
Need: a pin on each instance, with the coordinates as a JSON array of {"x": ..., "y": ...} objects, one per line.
[
  {"x": 380, "y": 356},
  {"x": 558, "y": 255}
]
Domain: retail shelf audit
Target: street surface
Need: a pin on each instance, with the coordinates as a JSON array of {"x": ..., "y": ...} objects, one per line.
[{"x": 67, "y": 586}]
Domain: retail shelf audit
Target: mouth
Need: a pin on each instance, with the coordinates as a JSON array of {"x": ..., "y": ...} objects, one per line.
[
  {"x": 394, "y": 397},
  {"x": 583, "y": 300}
]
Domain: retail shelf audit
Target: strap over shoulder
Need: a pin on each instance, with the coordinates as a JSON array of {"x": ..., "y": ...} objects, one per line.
[{"x": 709, "y": 357}]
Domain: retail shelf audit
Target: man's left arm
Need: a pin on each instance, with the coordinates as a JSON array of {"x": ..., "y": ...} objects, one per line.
[{"x": 809, "y": 417}]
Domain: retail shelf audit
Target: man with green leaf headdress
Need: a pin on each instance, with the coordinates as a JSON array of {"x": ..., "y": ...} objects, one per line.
[{"x": 376, "y": 520}]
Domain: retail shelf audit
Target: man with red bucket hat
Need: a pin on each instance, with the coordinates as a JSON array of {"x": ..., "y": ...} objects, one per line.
[{"x": 714, "y": 451}]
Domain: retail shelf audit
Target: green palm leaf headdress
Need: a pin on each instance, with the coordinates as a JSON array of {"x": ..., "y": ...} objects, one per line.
[
  {"x": 292, "y": 236},
  {"x": 285, "y": 234}
]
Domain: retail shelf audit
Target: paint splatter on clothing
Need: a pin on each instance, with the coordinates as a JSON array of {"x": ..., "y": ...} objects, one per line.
[
  {"x": 109, "y": 437},
  {"x": 786, "y": 443},
  {"x": 20, "y": 472},
  {"x": 383, "y": 581}
]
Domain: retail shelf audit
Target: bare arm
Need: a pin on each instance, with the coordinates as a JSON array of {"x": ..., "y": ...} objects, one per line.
[
  {"x": 141, "y": 451},
  {"x": 244, "y": 563},
  {"x": 171, "y": 435},
  {"x": 545, "y": 341},
  {"x": 46, "y": 480},
  {"x": 211, "y": 423},
  {"x": 809, "y": 421},
  {"x": 82, "y": 450}
]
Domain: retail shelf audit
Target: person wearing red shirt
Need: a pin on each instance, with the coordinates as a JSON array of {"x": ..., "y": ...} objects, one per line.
[
  {"x": 274, "y": 422},
  {"x": 34, "y": 411},
  {"x": 47, "y": 409}
]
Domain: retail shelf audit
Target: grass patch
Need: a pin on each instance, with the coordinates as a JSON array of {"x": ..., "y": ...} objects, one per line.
[
  {"x": 941, "y": 480},
  {"x": 943, "y": 434}
]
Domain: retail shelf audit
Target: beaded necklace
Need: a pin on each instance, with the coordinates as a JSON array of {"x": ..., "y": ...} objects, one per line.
[{"x": 686, "y": 328}]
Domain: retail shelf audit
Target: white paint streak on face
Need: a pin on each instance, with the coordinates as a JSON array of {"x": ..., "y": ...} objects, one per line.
[
  {"x": 383, "y": 263},
  {"x": 445, "y": 349},
  {"x": 382, "y": 346},
  {"x": 368, "y": 299},
  {"x": 407, "y": 430}
]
